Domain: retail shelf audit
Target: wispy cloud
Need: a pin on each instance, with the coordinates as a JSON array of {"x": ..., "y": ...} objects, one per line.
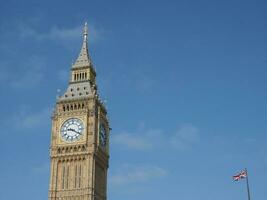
[
  {"x": 29, "y": 75},
  {"x": 59, "y": 34},
  {"x": 3, "y": 74},
  {"x": 145, "y": 82},
  {"x": 143, "y": 140},
  {"x": 130, "y": 174},
  {"x": 25, "y": 119},
  {"x": 184, "y": 137},
  {"x": 54, "y": 33},
  {"x": 42, "y": 168},
  {"x": 148, "y": 139}
]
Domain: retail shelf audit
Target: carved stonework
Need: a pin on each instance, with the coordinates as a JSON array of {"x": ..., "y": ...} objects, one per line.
[{"x": 79, "y": 158}]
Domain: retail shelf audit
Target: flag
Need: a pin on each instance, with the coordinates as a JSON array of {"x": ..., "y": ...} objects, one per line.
[{"x": 241, "y": 175}]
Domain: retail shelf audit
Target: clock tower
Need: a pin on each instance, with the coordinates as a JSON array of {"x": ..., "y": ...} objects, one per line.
[{"x": 79, "y": 150}]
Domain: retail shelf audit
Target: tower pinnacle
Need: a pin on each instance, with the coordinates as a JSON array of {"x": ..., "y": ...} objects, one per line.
[
  {"x": 82, "y": 74},
  {"x": 83, "y": 59},
  {"x": 85, "y": 29}
]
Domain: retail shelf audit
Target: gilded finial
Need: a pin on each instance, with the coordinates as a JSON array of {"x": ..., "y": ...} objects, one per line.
[{"x": 85, "y": 29}]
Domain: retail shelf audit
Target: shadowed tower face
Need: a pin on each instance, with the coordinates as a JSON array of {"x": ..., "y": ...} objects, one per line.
[{"x": 79, "y": 150}]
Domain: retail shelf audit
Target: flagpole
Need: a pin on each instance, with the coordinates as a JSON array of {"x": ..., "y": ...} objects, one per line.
[{"x": 247, "y": 185}]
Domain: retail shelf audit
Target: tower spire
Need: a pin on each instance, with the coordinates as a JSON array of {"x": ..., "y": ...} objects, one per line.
[
  {"x": 85, "y": 30},
  {"x": 83, "y": 59}
]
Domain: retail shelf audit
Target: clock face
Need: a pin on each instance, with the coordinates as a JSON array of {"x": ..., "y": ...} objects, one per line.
[
  {"x": 102, "y": 135},
  {"x": 72, "y": 130}
]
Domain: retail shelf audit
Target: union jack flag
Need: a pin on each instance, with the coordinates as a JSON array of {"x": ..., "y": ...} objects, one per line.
[{"x": 241, "y": 175}]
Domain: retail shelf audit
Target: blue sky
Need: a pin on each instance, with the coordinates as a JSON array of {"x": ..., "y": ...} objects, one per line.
[{"x": 185, "y": 84}]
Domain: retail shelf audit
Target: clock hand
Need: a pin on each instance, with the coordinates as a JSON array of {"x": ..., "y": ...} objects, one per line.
[{"x": 70, "y": 129}]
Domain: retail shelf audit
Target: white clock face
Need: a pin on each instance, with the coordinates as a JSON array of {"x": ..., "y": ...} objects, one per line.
[{"x": 72, "y": 130}]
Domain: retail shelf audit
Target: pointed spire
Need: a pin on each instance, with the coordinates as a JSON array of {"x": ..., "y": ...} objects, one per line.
[
  {"x": 85, "y": 30},
  {"x": 83, "y": 59}
]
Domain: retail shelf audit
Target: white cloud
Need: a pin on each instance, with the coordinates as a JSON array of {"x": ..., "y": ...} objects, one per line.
[
  {"x": 29, "y": 120},
  {"x": 59, "y": 34},
  {"x": 129, "y": 174},
  {"x": 54, "y": 33},
  {"x": 31, "y": 76},
  {"x": 42, "y": 168},
  {"x": 3, "y": 74},
  {"x": 144, "y": 140},
  {"x": 28, "y": 75},
  {"x": 144, "y": 83},
  {"x": 131, "y": 141},
  {"x": 184, "y": 137}
]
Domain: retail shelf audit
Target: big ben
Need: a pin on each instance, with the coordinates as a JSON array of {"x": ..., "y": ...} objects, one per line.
[{"x": 79, "y": 150}]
